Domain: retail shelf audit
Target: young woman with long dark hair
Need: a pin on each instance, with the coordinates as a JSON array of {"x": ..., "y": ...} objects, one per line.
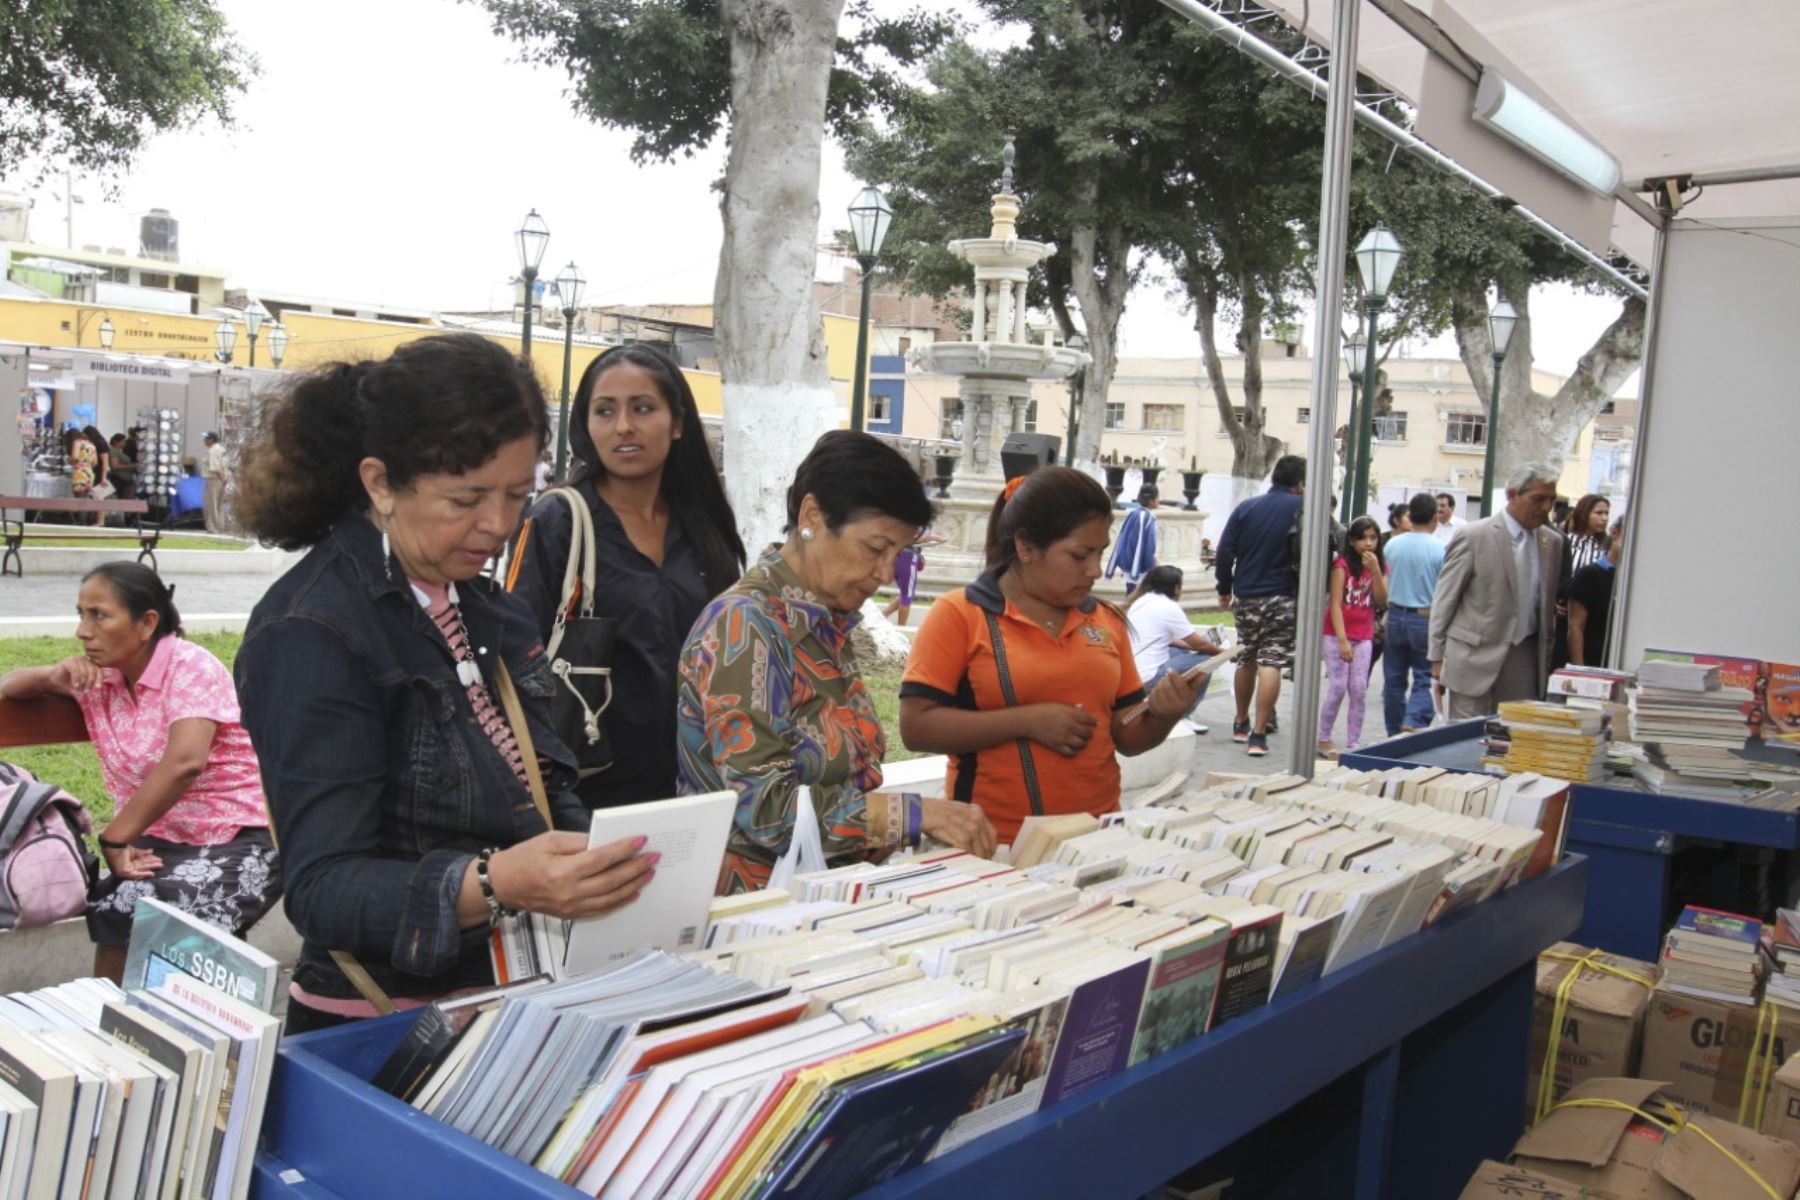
[
  {"x": 666, "y": 542},
  {"x": 1358, "y": 587}
]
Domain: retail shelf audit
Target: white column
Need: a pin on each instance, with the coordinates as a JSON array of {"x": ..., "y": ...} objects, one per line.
[
  {"x": 1019, "y": 316},
  {"x": 1004, "y": 319},
  {"x": 978, "y": 327}
]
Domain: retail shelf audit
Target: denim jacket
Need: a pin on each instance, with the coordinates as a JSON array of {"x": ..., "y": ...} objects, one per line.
[{"x": 381, "y": 784}]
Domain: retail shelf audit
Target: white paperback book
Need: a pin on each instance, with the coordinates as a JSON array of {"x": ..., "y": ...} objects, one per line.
[{"x": 689, "y": 832}]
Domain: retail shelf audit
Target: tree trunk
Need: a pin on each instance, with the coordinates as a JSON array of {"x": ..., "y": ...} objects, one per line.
[
  {"x": 777, "y": 390},
  {"x": 1253, "y": 452},
  {"x": 1535, "y": 427},
  {"x": 1100, "y": 277}
]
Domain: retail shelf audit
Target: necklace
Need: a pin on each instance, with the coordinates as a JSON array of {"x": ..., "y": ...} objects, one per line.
[{"x": 1051, "y": 624}]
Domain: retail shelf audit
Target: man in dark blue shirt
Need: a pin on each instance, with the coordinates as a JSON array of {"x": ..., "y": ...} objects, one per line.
[{"x": 1255, "y": 571}]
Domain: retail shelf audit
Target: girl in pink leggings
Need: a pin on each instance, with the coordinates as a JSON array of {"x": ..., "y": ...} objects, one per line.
[{"x": 1358, "y": 586}]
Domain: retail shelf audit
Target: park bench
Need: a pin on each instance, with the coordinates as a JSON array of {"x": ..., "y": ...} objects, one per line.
[
  {"x": 146, "y": 532},
  {"x": 45, "y": 721}
]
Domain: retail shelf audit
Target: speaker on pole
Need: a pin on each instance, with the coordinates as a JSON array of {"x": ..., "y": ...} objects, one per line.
[{"x": 1023, "y": 453}]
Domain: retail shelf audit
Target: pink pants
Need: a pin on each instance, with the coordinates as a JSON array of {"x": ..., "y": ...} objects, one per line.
[{"x": 1351, "y": 677}]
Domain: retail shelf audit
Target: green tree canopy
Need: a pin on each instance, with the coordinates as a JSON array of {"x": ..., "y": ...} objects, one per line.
[{"x": 88, "y": 82}]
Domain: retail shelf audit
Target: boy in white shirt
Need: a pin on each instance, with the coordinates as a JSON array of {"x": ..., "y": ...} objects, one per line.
[{"x": 1162, "y": 638}]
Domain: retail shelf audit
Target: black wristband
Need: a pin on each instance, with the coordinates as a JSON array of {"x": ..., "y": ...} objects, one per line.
[{"x": 106, "y": 845}]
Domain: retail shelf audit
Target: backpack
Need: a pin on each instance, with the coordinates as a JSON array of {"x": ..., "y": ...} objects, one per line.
[{"x": 45, "y": 868}]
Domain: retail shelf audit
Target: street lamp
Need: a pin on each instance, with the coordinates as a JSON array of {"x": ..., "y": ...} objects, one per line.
[
  {"x": 225, "y": 336},
  {"x": 532, "y": 236},
  {"x": 569, "y": 287},
  {"x": 1501, "y": 320},
  {"x": 1355, "y": 345},
  {"x": 106, "y": 333},
  {"x": 278, "y": 340},
  {"x": 1377, "y": 258},
  {"x": 254, "y": 316},
  {"x": 1077, "y": 391},
  {"x": 870, "y": 216}
]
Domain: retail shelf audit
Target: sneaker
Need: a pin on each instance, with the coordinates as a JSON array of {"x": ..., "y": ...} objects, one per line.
[
  {"x": 1256, "y": 745},
  {"x": 1328, "y": 749},
  {"x": 1273, "y": 725},
  {"x": 1240, "y": 730}
]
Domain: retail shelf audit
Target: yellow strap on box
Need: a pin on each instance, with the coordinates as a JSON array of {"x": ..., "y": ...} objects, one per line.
[
  {"x": 1589, "y": 961},
  {"x": 1752, "y": 1099},
  {"x": 1675, "y": 1121}
]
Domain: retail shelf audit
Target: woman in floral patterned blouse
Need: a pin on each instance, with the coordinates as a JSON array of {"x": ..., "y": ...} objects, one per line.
[{"x": 771, "y": 697}]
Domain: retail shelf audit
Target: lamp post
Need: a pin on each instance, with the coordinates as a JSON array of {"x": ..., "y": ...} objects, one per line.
[
  {"x": 254, "y": 316},
  {"x": 104, "y": 329},
  {"x": 278, "y": 340},
  {"x": 1501, "y": 319},
  {"x": 533, "y": 236},
  {"x": 106, "y": 333},
  {"x": 1377, "y": 258},
  {"x": 1077, "y": 392},
  {"x": 225, "y": 337},
  {"x": 870, "y": 216},
  {"x": 569, "y": 287},
  {"x": 1354, "y": 347}
]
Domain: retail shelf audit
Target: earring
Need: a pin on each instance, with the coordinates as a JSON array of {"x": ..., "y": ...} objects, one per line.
[
  {"x": 806, "y": 534},
  {"x": 387, "y": 555}
]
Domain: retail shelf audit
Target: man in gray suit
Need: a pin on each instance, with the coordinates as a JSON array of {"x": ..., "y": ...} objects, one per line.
[{"x": 1493, "y": 616}]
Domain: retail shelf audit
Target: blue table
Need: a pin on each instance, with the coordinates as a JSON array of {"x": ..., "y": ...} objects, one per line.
[
  {"x": 1629, "y": 836},
  {"x": 1392, "y": 1078}
]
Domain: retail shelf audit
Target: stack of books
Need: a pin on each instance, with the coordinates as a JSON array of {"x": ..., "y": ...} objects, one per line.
[
  {"x": 1783, "y": 945},
  {"x": 1717, "y": 955},
  {"x": 1555, "y": 740},
  {"x": 154, "y": 1090}
]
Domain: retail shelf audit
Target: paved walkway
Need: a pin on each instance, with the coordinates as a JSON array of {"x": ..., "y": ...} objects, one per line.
[{"x": 42, "y": 594}]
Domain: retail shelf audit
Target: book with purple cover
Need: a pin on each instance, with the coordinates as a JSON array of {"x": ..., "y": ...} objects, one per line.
[{"x": 1097, "y": 1030}]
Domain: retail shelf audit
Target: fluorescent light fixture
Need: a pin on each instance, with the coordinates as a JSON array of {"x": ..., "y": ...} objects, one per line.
[{"x": 1508, "y": 111}]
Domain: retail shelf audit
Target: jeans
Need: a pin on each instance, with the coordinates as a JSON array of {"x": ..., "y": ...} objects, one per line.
[
  {"x": 1182, "y": 660},
  {"x": 1408, "y": 635}
]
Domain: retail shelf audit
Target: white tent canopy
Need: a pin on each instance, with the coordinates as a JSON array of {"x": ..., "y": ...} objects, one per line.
[{"x": 1668, "y": 87}]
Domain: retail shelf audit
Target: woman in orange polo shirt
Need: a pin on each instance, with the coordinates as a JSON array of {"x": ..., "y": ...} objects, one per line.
[{"x": 1023, "y": 677}]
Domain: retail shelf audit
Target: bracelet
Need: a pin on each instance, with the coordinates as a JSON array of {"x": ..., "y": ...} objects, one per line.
[
  {"x": 107, "y": 845},
  {"x": 915, "y": 820},
  {"x": 497, "y": 911},
  {"x": 896, "y": 820}
]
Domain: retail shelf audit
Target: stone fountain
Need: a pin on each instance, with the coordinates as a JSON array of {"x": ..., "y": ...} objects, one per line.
[
  {"x": 998, "y": 363},
  {"x": 996, "y": 367}
]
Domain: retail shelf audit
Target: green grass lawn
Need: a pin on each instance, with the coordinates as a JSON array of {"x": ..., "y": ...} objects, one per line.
[
  {"x": 75, "y": 767},
  {"x": 126, "y": 542}
]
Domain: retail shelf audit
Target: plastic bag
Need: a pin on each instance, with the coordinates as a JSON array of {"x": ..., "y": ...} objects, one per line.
[{"x": 806, "y": 852}]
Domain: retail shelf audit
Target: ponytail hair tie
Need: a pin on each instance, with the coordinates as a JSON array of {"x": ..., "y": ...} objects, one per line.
[{"x": 1012, "y": 487}]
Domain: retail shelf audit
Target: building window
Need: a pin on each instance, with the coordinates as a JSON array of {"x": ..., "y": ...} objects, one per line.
[
  {"x": 1390, "y": 427},
  {"x": 1240, "y": 412},
  {"x": 1165, "y": 418},
  {"x": 948, "y": 419},
  {"x": 1609, "y": 408},
  {"x": 881, "y": 409},
  {"x": 1031, "y": 417},
  {"x": 1304, "y": 416},
  {"x": 153, "y": 279},
  {"x": 1115, "y": 416},
  {"x": 1466, "y": 429}
]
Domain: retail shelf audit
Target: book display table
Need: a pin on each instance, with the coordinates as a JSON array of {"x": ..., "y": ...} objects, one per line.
[
  {"x": 1629, "y": 837},
  {"x": 1391, "y": 1078}
]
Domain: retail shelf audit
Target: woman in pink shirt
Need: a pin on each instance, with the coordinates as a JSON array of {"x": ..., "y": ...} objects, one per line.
[{"x": 190, "y": 827}]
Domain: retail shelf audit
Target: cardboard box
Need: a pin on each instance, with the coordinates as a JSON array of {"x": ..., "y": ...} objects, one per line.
[
  {"x": 1603, "y": 1024},
  {"x": 1612, "y": 1150},
  {"x": 1781, "y": 1116},
  {"x": 1497, "y": 1181},
  {"x": 1707, "y": 1048}
]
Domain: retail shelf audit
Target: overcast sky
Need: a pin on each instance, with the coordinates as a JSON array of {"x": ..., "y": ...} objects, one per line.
[{"x": 388, "y": 151}]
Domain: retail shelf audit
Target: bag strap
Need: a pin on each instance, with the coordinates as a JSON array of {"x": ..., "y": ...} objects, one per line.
[
  {"x": 1032, "y": 791},
  {"x": 355, "y": 972},
  {"x": 579, "y": 571},
  {"x": 515, "y": 716}
]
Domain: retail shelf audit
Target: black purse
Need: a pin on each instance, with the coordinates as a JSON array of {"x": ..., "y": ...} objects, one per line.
[{"x": 580, "y": 648}]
